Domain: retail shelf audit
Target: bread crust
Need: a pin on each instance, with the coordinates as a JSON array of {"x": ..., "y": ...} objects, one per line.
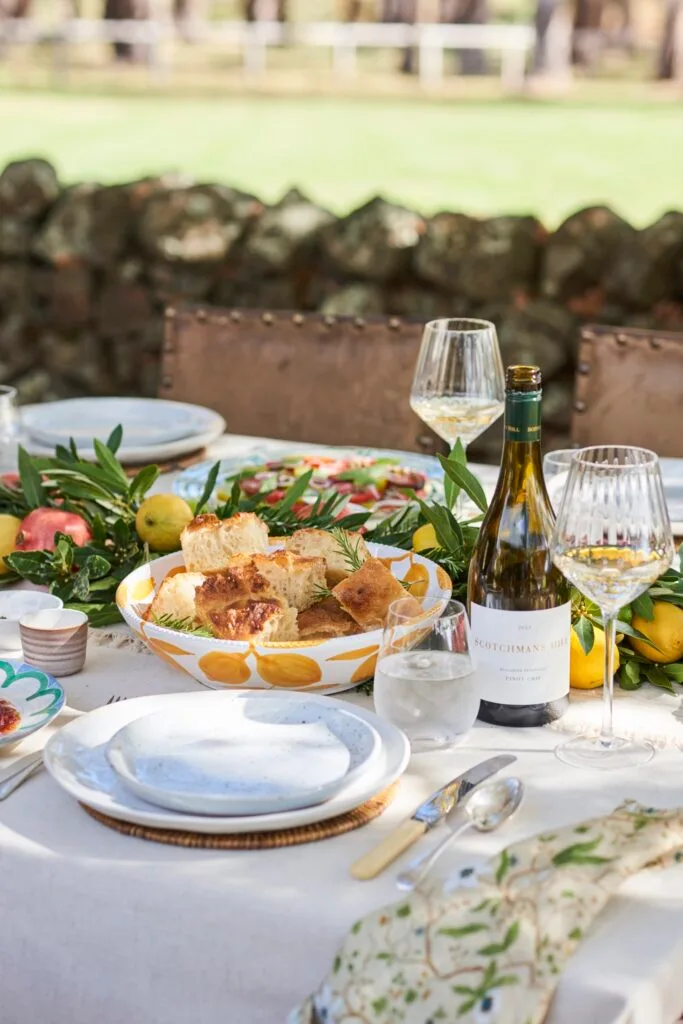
[
  {"x": 266, "y": 621},
  {"x": 176, "y": 597},
  {"x": 367, "y": 594},
  {"x": 324, "y": 620},
  {"x": 209, "y": 543},
  {"x": 323, "y": 544}
]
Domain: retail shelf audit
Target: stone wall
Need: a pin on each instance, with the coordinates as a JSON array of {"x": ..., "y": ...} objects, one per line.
[{"x": 86, "y": 271}]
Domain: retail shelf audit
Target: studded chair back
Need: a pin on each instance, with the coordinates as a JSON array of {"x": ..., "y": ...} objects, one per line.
[
  {"x": 629, "y": 389},
  {"x": 302, "y": 377}
]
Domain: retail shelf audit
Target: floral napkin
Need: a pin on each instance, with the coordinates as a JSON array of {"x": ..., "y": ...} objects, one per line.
[{"x": 490, "y": 946}]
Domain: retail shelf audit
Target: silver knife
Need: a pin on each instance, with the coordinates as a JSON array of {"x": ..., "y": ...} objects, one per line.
[{"x": 427, "y": 815}]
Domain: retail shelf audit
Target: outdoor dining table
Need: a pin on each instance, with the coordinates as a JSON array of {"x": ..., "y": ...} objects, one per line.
[{"x": 98, "y": 926}]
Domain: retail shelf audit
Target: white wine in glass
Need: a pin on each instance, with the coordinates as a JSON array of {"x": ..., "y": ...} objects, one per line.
[
  {"x": 459, "y": 384},
  {"x": 612, "y": 540}
]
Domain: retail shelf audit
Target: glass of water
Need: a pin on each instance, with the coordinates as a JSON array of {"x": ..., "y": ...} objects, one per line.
[
  {"x": 10, "y": 430},
  {"x": 424, "y": 680},
  {"x": 556, "y": 473}
]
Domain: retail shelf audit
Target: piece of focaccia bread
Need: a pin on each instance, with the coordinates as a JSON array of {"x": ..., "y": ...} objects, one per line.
[
  {"x": 176, "y": 597},
  {"x": 367, "y": 594},
  {"x": 209, "y": 543},
  {"x": 325, "y": 620},
  {"x": 296, "y": 581},
  {"x": 326, "y": 545},
  {"x": 267, "y": 621},
  {"x": 234, "y": 586}
]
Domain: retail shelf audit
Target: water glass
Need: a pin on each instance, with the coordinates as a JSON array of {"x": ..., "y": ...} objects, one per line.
[
  {"x": 612, "y": 540},
  {"x": 424, "y": 681},
  {"x": 10, "y": 430}
]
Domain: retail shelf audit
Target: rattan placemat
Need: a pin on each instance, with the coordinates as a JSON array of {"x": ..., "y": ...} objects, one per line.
[{"x": 256, "y": 840}]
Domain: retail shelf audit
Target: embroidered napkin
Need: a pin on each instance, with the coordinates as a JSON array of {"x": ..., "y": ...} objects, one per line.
[{"x": 490, "y": 945}]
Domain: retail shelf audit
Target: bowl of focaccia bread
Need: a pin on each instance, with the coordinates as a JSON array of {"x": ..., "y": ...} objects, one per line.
[{"x": 238, "y": 608}]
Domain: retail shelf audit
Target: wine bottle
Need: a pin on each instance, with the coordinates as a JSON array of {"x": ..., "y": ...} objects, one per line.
[{"x": 519, "y": 605}]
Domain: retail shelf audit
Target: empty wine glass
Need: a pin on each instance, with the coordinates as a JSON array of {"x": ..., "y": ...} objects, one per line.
[
  {"x": 424, "y": 681},
  {"x": 556, "y": 473},
  {"x": 459, "y": 384},
  {"x": 10, "y": 430},
  {"x": 612, "y": 539}
]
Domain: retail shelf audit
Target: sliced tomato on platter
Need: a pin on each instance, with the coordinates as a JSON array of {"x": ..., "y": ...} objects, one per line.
[
  {"x": 365, "y": 496},
  {"x": 275, "y": 496}
]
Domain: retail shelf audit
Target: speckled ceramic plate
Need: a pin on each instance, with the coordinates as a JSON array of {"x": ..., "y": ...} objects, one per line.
[
  {"x": 29, "y": 699},
  {"x": 76, "y": 758},
  {"x": 257, "y": 754}
]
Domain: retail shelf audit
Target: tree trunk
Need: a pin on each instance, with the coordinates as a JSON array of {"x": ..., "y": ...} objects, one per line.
[
  {"x": 670, "y": 57},
  {"x": 125, "y": 10},
  {"x": 15, "y": 8},
  {"x": 467, "y": 12}
]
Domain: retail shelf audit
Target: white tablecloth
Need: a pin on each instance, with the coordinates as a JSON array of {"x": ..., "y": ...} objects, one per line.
[{"x": 96, "y": 926}]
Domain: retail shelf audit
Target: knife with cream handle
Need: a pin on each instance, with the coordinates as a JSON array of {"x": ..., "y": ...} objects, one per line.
[{"x": 427, "y": 815}]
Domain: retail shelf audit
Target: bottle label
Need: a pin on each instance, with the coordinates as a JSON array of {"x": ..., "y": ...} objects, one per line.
[
  {"x": 521, "y": 657},
  {"x": 523, "y": 416}
]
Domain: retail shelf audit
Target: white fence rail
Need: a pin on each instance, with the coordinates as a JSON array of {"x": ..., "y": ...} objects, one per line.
[{"x": 513, "y": 43}]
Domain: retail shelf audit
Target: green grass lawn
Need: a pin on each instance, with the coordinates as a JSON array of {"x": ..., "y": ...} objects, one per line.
[{"x": 480, "y": 157}]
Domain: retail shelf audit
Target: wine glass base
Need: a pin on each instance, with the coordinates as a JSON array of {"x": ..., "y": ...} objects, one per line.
[{"x": 592, "y": 752}]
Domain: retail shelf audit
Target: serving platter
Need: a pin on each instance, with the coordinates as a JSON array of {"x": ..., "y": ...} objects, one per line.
[
  {"x": 364, "y": 474},
  {"x": 76, "y": 759},
  {"x": 244, "y": 756},
  {"x": 321, "y": 666}
]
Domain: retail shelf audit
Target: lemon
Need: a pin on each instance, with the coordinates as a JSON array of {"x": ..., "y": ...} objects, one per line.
[
  {"x": 9, "y": 528},
  {"x": 160, "y": 521},
  {"x": 665, "y": 630},
  {"x": 586, "y": 671},
  {"x": 424, "y": 538}
]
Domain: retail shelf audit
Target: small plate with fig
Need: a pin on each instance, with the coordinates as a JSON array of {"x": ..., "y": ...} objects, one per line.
[{"x": 29, "y": 700}]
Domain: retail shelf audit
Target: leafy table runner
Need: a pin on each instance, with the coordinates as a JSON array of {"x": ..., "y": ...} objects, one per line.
[{"x": 488, "y": 946}]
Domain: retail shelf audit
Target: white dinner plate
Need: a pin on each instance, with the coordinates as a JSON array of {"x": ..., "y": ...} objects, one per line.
[
  {"x": 153, "y": 429},
  {"x": 255, "y": 754},
  {"x": 76, "y": 759}
]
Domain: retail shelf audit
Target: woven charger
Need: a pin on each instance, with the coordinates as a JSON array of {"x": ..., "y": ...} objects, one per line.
[{"x": 256, "y": 840}]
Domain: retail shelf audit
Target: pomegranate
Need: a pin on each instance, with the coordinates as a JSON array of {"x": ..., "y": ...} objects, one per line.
[
  {"x": 38, "y": 529},
  {"x": 12, "y": 480}
]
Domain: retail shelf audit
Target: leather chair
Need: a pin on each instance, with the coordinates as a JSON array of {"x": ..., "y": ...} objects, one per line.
[
  {"x": 629, "y": 389},
  {"x": 298, "y": 376}
]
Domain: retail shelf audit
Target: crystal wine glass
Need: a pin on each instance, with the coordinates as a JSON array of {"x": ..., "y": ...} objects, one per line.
[
  {"x": 425, "y": 681},
  {"x": 459, "y": 384},
  {"x": 556, "y": 473},
  {"x": 612, "y": 539}
]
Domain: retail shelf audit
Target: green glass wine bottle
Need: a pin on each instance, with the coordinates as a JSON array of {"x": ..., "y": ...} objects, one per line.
[{"x": 519, "y": 605}]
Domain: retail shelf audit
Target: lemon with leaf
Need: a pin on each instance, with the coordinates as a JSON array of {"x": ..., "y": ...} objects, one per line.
[
  {"x": 664, "y": 629},
  {"x": 424, "y": 538},
  {"x": 587, "y": 670}
]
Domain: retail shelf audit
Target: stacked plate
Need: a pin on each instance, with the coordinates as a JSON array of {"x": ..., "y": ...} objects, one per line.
[
  {"x": 227, "y": 762},
  {"x": 153, "y": 430}
]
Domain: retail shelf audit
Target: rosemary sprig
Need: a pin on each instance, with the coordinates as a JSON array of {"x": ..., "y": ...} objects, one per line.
[
  {"x": 349, "y": 550},
  {"x": 321, "y": 593},
  {"x": 182, "y": 626}
]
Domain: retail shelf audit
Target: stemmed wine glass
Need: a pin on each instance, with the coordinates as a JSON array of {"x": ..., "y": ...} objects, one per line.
[
  {"x": 10, "y": 429},
  {"x": 459, "y": 384},
  {"x": 612, "y": 539}
]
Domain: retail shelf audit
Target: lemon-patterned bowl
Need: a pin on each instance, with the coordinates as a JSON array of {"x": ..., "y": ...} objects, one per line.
[{"x": 322, "y": 666}]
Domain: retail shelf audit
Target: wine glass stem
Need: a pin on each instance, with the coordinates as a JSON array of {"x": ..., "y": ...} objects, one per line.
[
  {"x": 607, "y": 731},
  {"x": 459, "y": 509}
]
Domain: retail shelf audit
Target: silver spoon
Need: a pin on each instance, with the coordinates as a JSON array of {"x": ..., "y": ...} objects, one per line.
[{"x": 487, "y": 809}]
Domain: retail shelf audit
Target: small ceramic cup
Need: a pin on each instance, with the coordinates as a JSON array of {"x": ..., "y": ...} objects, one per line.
[{"x": 55, "y": 640}]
